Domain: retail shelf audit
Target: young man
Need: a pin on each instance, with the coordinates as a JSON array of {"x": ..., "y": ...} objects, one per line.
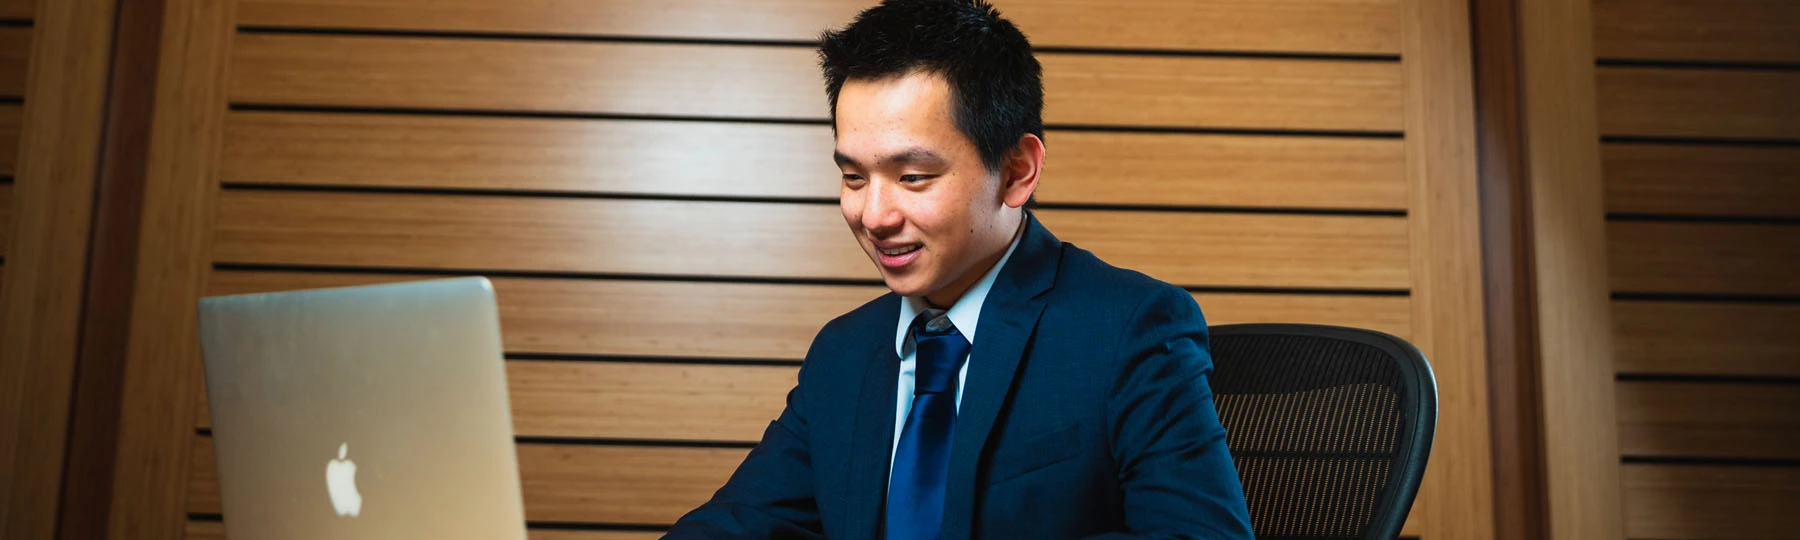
[{"x": 1012, "y": 385}]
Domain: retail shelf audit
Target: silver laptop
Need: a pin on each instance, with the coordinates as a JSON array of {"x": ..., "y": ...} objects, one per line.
[{"x": 362, "y": 412}]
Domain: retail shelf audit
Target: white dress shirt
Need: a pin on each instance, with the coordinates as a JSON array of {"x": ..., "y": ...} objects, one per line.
[{"x": 965, "y": 313}]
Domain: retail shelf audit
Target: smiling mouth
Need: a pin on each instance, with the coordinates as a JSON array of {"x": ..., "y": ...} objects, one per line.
[{"x": 896, "y": 252}]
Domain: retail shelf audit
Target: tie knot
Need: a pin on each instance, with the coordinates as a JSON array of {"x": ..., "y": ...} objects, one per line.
[{"x": 940, "y": 352}]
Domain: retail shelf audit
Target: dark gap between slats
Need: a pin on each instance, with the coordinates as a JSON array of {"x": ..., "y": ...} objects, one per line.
[
  {"x": 501, "y": 113},
  {"x": 1711, "y": 298},
  {"x": 460, "y": 272},
  {"x": 551, "y": 194},
  {"x": 614, "y": 38},
  {"x": 502, "y": 273},
  {"x": 1707, "y": 218},
  {"x": 583, "y": 526},
  {"x": 15, "y": 23},
  {"x": 12, "y": 100},
  {"x": 1719, "y": 65},
  {"x": 535, "y": 525},
  {"x": 1709, "y": 461},
  {"x": 1742, "y": 380},
  {"x": 6, "y": 179},
  {"x": 680, "y": 360},
  {"x": 597, "y": 441},
  {"x": 1700, "y": 141}
]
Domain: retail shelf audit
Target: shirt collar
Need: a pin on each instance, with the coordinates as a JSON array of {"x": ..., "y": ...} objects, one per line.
[{"x": 965, "y": 313}]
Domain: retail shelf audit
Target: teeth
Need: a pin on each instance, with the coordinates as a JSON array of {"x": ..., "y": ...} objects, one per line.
[{"x": 897, "y": 251}]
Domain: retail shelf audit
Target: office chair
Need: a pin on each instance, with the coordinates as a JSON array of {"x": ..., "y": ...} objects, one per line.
[{"x": 1329, "y": 427}]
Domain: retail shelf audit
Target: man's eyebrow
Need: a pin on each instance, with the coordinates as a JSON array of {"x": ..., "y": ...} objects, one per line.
[{"x": 914, "y": 156}]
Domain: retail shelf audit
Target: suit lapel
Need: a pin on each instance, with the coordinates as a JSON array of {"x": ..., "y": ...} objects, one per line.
[
  {"x": 873, "y": 436},
  {"x": 1009, "y": 317}
]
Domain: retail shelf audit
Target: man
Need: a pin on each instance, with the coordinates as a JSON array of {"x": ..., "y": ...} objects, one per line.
[{"x": 1011, "y": 386}]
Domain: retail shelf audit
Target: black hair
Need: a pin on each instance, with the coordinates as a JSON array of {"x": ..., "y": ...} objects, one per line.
[{"x": 996, "y": 85}]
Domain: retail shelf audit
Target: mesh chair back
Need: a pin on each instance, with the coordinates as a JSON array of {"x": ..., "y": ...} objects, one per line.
[{"x": 1329, "y": 426}]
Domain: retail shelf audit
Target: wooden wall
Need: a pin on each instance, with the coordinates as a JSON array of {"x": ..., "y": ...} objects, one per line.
[
  {"x": 15, "y": 50},
  {"x": 648, "y": 182},
  {"x": 1700, "y": 146}
]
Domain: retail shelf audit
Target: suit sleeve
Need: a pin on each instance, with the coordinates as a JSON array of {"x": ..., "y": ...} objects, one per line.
[
  {"x": 1173, "y": 464},
  {"x": 771, "y": 493}
]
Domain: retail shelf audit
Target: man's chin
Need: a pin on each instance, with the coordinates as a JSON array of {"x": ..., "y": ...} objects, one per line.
[{"x": 903, "y": 286}]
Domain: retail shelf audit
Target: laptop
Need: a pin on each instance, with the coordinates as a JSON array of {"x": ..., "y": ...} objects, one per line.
[{"x": 362, "y": 412}]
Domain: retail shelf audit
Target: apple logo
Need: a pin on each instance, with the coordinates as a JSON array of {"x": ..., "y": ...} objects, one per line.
[{"x": 340, "y": 482}]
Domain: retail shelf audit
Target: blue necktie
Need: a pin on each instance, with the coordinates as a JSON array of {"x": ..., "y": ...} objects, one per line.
[{"x": 915, "y": 505}]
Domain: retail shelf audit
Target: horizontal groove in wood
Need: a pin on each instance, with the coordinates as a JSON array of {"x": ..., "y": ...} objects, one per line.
[
  {"x": 1704, "y": 258},
  {"x": 569, "y": 483},
  {"x": 215, "y": 530},
  {"x": 11, "y": 116},
  {"x": 15, "y": 48},
  {"x": 643, "y": 157},
  {"x": 1727, "y": 31},
  {"x": 1334, "y": 26},
  {"x": 727, "y": 320},
  {"x": 1708, "y": 420},
  {"x": 1710, "y": 502},
  {"x": 1706, "y": 338},
  {"x": 768, "y": 239},
  {"x": 784, "y": 82},
  {"x": 1676, "y": 102},
  {"x": 1705, "y": 180}
]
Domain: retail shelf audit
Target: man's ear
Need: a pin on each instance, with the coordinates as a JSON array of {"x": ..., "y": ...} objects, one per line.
[{"x": 1019, "y": 175}]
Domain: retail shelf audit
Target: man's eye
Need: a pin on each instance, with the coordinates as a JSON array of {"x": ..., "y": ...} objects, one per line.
[
  {"x": 852, "y": 178},
  {"x": 910, "y": 178}
]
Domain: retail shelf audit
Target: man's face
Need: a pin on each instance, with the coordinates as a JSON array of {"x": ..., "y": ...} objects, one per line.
[{"x": 916, "y": 194}]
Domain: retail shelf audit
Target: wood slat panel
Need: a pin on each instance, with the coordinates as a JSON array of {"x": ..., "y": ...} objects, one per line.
[
  {"x": 627, "y": 318},
  {"x": 18, "y": 9},
  {"x": 1221, "y": 92},
  {"x": 570, "y": 483},
  {"x": 1704, "y": 258},
  {"x": 213, "y": 530},
  {"x": 1702, "y": 180},
  {"x": 727, "y": 320},
  {"x": 15, "y": 50},
  {"x": 10, "y": 118},
  {"x": 1711, "y": 502},
  {"x": 1704, "y": 338},
  {"x": 553, "y": 76},
  {"x": 768, "y": 239},
  {"x": 1709, "y": 420},
  {"x": 1353, "y": 26},
  {"x": 643, "y": 401},
  {"x": 660, "y": 158},
  {"x": 1221, "y": 170},
  {"x": 1671, "y": 102},
  {"x": 1361, "y": 252},
  {"x": 783, "y": 82},
  {"x": 1714, "y": 30}
]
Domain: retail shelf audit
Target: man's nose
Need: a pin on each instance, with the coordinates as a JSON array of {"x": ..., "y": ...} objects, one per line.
[{"x": 880, "y": 214}]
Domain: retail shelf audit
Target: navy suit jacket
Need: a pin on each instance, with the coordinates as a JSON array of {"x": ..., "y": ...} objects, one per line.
[{"x": 1086, "y": 413}]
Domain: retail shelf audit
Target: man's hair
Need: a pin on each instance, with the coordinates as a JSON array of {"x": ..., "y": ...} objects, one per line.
[{"x": 996, "y": 85}]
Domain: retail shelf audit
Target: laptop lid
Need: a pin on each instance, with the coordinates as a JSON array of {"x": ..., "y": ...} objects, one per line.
[{"x": 362, "y": 412}]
